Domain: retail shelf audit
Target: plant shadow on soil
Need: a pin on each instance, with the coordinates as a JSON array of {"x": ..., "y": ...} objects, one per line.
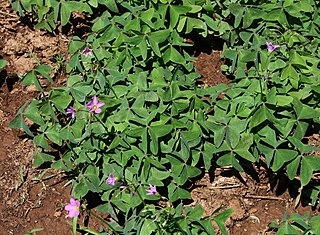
[{"x": 29, "y": 201}]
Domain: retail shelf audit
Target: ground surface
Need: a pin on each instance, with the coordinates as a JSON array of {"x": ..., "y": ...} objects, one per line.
[{"x": 29, "y": 200}]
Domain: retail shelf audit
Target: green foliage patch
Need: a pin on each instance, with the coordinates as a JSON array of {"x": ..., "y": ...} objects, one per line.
[
  {"x": 297, "y": 224},
  {"x": 131, "y": 110}
]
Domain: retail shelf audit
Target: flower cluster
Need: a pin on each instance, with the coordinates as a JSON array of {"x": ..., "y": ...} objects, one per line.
[
  {"x": 111, "y": 180},
  {"x": 73, "y": 207},
  {"x": 94, "y": 107}
]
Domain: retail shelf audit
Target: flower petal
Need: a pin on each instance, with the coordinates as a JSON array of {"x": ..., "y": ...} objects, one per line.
[
  {"x": 72, "y": 213},
  {"x": 98, "y": 110},
  {"x": 69, "y": 207},
  {"x": 111, "y": 180},
  {"x": 73, "y": 202},
  {"x": 90, "y": 104},
  {"x": 275, "y": 47},
  {"x": 100, "y": 104},
  {"x": 95, "y": 100}
]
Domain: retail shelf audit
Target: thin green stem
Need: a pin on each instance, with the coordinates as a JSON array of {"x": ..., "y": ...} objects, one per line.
[
  {"x": 90, "y": 212},
  {"x": 138, "y": 193},
  {"x": 69, "y": 146},
  {"x": 261, "y": 89},
  {"x": 101, "y": 123}
]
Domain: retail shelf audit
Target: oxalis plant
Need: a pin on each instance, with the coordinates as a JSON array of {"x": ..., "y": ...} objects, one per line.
[
  {"x": 272, "y": 51},
  {"x": 274, "y": 99},
  {"x": 130, "y": 123},
  {"x": 134, "y": 129}
]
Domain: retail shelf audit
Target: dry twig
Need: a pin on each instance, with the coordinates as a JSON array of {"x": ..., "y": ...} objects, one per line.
[
  {"x": 264, "y": 197},
  {"x": 225, "y": 187}
]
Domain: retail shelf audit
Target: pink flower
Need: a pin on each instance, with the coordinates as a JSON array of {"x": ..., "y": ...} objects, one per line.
[
  {"x": 271, "y": 47},
  {"x": 71, "y": 110},
  {"x": 87, "y": 52},
  {"x": 111, "y": 180},
  {"x": 94, "y": 105},
  {"x": 73, "y": 208},
  {"x": 152, "y": 190}
]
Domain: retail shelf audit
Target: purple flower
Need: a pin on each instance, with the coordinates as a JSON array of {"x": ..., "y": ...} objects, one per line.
[
  {"x": 152, "y": 190},
  {"x": 111, "y": 180},
  {"x": 71, "y": 110},
  {"x": 87, "y": 52},
  {"x": 94, "y": 105},
  {"x": 73, "y": 208},
  {"x": 271, "y": 47}
]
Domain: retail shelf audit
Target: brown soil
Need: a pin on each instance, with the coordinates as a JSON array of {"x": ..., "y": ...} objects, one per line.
[
  {"x": 208, "y": 65},
  {"x": 28, "y": 200},
  {"x": 34, "y": 198}
]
